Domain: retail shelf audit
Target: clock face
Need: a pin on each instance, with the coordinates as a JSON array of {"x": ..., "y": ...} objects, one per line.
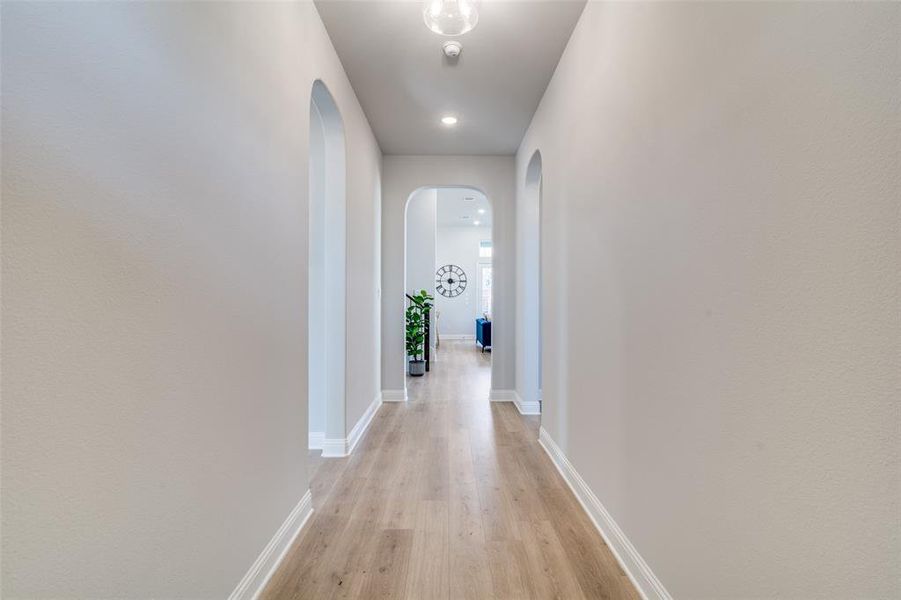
[{"x": 450, "y": 281}]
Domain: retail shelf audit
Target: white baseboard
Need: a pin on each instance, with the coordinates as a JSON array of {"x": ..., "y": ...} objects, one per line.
[
  {"x": 629, "y": 559},
  {"x": 316, "y": 440},
  {"x": 394, "y": 395},
  {"x": 524, "y": 408},
  {"x": 501, "y": 395},
  {"x": 269, "y": 559},
  {"x": 339, "y": 447},
  {"x": 356, "y": 434}
]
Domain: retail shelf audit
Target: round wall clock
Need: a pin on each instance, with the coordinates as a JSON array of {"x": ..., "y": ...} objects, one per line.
[{"x": 450, "y": 281}]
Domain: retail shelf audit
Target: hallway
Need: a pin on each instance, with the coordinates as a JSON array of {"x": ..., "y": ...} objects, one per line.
[
  {"x": 448, "y": 496},
  {"x": 675, "y": 224}
]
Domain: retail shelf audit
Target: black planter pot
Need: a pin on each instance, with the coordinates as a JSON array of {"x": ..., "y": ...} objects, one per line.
[{"x": 417, "y": 368}]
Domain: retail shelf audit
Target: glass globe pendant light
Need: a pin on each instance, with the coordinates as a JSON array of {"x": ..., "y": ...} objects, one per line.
[{"x": 451, "y": 17}]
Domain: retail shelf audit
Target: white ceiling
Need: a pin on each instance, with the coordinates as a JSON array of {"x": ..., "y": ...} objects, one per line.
[
  {"x": 459, "y": 207},
  {"x": 406, "y": 84}
]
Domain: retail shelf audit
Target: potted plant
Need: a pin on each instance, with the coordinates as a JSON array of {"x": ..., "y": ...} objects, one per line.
[{"x": 417, "y": 315}]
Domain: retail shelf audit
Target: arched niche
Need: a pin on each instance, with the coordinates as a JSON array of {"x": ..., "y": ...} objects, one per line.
[{"x": 327, "y": 274}]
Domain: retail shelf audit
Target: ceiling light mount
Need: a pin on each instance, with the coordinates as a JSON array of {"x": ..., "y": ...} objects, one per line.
[
  {"x": 452, "y": 48},
  {"x": 451, "y": 17}
]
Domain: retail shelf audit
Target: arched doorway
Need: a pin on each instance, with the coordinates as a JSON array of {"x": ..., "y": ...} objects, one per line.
[
  {"x": 530, "y": 254},
  {"x": 449, "y": 228},
  {"x": 327, "y": 275}
]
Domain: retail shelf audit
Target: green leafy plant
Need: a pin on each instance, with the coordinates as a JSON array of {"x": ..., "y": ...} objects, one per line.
[{"x": 417, "y": 313}]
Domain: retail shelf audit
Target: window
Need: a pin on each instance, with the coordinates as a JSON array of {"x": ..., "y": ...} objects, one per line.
[
  {"x": 484, "y": 249},
  {"x": 485, "y": 288}
]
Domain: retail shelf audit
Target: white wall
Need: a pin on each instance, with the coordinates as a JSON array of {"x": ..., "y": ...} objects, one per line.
[
  {"x": 317, "y": 331},
  {"x": 364, "y": 254},
  {"x": 421, "y": 236},
  {"x": 154, "y": 242},
  {"x": 722, "y": 340},
  {"x": 421, "y": 241},
  {"x": 401, "y": 176},
  {"x": 460, "y": 246}
]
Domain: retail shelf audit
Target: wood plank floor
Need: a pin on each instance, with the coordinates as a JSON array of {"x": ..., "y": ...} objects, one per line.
[{"x": 448, "y": 496}]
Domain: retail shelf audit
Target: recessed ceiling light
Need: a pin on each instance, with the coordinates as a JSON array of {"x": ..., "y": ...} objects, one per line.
[
  {"x": 481, "y": 211},
  {"x": 475, "y": 222},
  {"x": 449, "y": 120}
]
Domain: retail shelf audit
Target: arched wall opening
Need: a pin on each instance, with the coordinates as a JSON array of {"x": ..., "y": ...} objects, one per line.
[
  {"x": 531, "y": 285},
  {"x": 448, "y": 225},
  {"x": 327, "y": 275},
  {"x": 495, "y": 176}
]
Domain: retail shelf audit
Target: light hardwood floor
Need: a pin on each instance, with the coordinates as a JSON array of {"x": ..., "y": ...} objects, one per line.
[{"x": 448, "y": 496}]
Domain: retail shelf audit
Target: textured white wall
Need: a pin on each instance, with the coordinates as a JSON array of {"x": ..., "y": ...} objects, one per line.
[
  {"x": 401, "y": 176},
  {"x": 460, "y": 246},
  {"x": 721, "y": 212},
  {"x": 154, "y": 241}
]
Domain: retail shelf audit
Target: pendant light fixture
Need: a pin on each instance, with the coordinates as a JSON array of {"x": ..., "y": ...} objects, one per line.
[{"x": 451, "y": 17}]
